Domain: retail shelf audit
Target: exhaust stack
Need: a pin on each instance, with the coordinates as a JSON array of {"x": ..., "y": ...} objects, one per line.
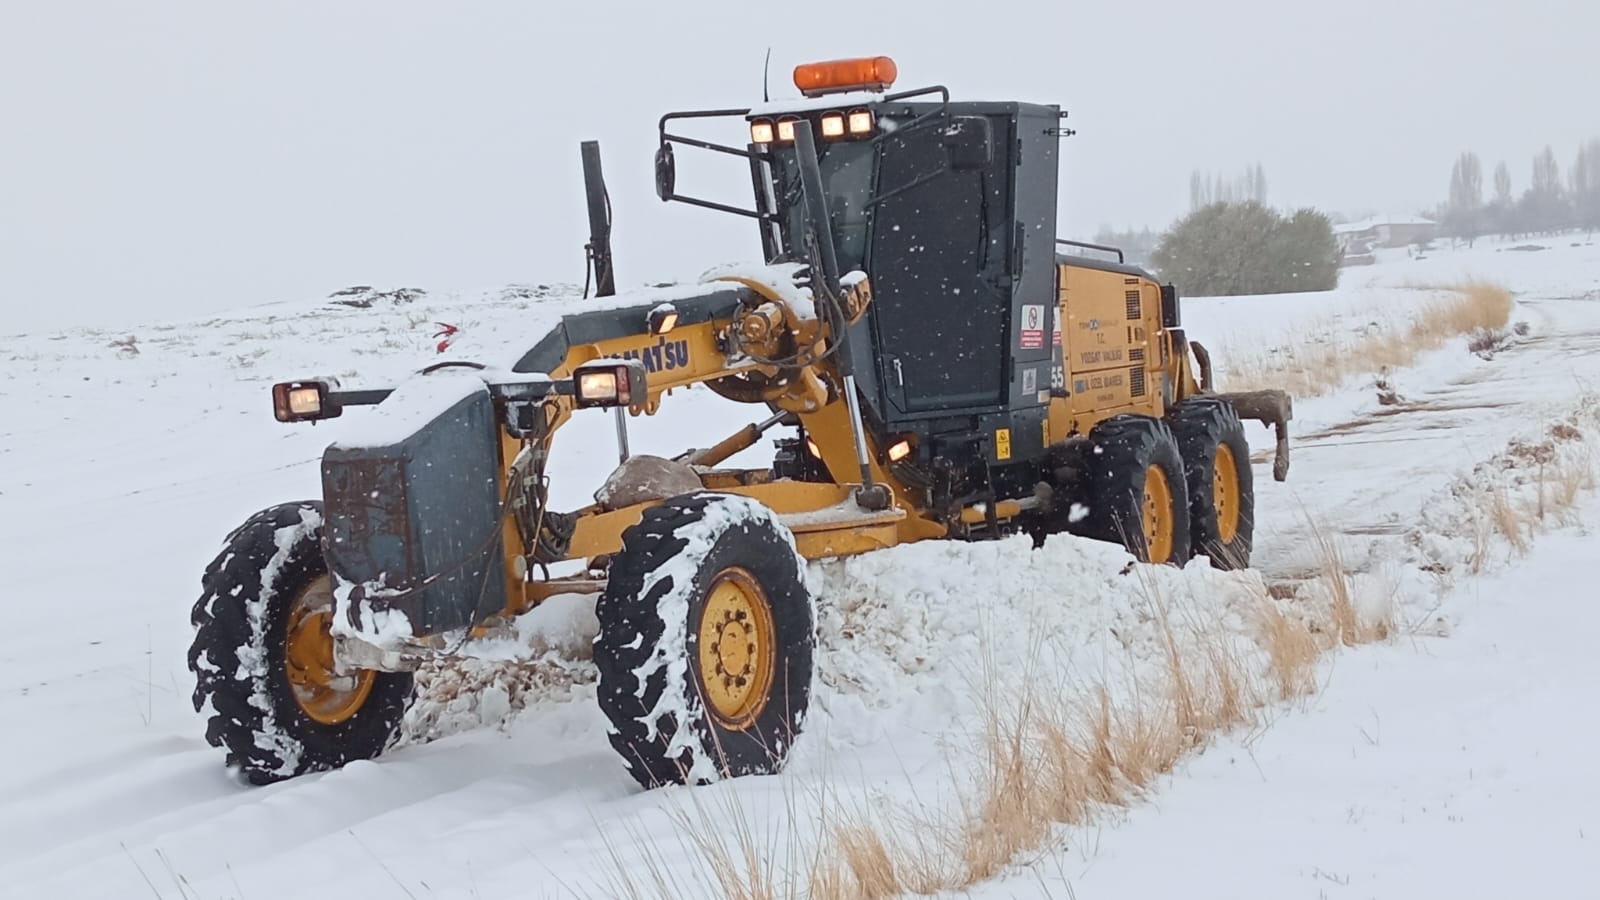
[{"x": 598, "y": 250}]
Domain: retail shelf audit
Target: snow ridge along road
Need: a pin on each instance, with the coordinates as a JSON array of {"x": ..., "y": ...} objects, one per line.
[{"x": 126, "y": 457}]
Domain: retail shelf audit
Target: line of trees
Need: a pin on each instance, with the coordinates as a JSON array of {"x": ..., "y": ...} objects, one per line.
[
  {"x": 1136, "y": 244},
  {"x": 1206, "y": 188},
  {"x": 1549, "y": 204}
]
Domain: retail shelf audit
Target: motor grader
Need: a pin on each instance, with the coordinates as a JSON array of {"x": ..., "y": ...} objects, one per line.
[{"x": 937, "y": 363}]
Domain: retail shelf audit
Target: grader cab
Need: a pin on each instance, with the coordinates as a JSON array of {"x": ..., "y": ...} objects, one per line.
[{"x": 939, "y": 367}]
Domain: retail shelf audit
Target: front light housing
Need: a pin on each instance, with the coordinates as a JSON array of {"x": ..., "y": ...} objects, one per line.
[
  {"x": 609, "y": 382},
  {"x": 833, "y": 125},
  {"x": 303, "y": 401},
  {"x": 860, "y": 121},
  {"x": 761, "y": 131},
  {"x": 662, "y": 319}
]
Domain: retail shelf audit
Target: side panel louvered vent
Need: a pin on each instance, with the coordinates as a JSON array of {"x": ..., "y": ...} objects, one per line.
[
  {"x": 1135, "y": 310},
  {"x": 1136, "y": 381},
  {"x": 1136, "y": 354}
]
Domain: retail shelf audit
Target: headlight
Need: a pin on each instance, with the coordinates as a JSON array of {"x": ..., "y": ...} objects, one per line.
[
  {"x": 597, "y": 388},
  {"x": 832, "y": 125},
  {"x": 302, "y": 401},
  {"x": 761, "y": 132},
  {"x": 860, "y": 121},
  {"x": 786, "y": 129},
  {"x": 662, "y": 319},
  {"x": 609, "y": 382}
]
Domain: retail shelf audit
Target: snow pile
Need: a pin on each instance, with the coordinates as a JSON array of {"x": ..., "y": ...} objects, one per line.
[
  {"x": 1495, "y": 509},
  {"x": 542, "y": 658},
  {"x": 931, "y": 617},
  {"x": 916, "y": 620}
]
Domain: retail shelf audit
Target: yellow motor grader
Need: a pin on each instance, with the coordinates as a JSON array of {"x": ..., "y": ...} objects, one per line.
[{"x": 938, "y": 364}]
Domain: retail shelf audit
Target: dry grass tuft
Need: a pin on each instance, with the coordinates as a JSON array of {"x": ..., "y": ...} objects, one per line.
[
  {"x": 1350, "y": 622},
  {"x": 869, "y": 861},
  {"x": 1008, "y": 816},
  {"x": 1312, "y": 366},
  {"x": 1511, "y": 520},
  {"x": 1526, "y": 488},
  {"x": 1291, "y": 649}
]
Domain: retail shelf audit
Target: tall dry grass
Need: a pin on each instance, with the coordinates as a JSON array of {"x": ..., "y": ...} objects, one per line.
[
  {"x": 1291, "y": 648},
  {"x": 1331, "y": 355},
  {"x": 1048, "y": 751},
  {"x": 1530, "y": 488}
]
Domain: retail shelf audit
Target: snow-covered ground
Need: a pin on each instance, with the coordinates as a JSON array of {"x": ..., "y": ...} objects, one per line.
[
  {"x": 1457, "y": 768},
  {"x": 125, "y": 457}
]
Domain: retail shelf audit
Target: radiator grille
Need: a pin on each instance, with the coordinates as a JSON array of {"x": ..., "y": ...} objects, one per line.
[
  {"x": 1135, "y": 310},
  {"x": 1136, "y": 381}
]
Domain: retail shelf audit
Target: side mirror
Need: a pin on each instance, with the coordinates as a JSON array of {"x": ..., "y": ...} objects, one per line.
[
  {"x": 969, "y": 143},
  {"x": 666, "y": 172}
]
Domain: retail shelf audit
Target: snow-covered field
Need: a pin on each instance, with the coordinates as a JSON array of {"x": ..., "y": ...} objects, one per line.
[{"x": 1426, "y": 766}]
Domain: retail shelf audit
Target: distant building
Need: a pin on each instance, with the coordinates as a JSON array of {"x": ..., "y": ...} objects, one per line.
[{"x": 1360, "y": 238}]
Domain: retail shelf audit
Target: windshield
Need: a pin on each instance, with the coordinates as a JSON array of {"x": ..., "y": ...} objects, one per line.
[{"x": 847, "y": 178}]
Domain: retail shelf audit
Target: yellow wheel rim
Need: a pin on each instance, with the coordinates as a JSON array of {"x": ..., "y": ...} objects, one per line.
[
  {"x": 1158, "y": 522},
  {"x": 323, "y": 694},
  {"x": 738, "y": 645},
  {"x": 1225, "y": 494}
]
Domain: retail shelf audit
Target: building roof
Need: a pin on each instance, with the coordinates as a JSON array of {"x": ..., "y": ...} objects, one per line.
[{"x": 1372, "y": 222}]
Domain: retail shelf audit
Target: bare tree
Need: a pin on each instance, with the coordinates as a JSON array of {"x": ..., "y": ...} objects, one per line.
[
  {"x": 1206, "y": 188},
  {"x": 1502, "y": 185},
  {"x": 1464, "y": 213},
  {"x": 1544, "y": 205},
  {"x": 1585, "y": 180}
]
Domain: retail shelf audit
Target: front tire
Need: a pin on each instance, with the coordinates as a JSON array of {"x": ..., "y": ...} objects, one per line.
[
  {"x": 1135, "y": 489},
  {"x": 706, "y": 640},
  {"x": 263, "y": 656}
]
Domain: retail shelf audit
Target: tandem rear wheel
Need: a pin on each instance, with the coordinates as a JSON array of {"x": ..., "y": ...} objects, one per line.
[{"x": 1133, "y": 490}]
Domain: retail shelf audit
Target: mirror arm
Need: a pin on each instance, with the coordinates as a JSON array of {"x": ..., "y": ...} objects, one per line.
[
  {"x": 705, "y": 145},
  {"x": 722, "y": 207}
]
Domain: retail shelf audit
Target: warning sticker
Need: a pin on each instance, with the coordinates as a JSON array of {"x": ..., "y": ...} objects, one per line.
[
  {"x": 1032, "y": 327},
  {"x": 1055, "y": 327},
  {"x": 1030, "y": 380},
  {"x": 1002, "y": 443}
]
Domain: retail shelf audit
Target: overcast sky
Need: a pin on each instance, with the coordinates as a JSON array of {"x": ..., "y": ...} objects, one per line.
[{"x": 174, "y": 157}]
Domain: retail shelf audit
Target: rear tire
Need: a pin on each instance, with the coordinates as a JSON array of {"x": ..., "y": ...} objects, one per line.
[
  {"x": 706, "y": 639},
  {"x": 271, "y": 581},
  {"x": 1216, "y": 459},
  {"x": 1134, "y": 489}
]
